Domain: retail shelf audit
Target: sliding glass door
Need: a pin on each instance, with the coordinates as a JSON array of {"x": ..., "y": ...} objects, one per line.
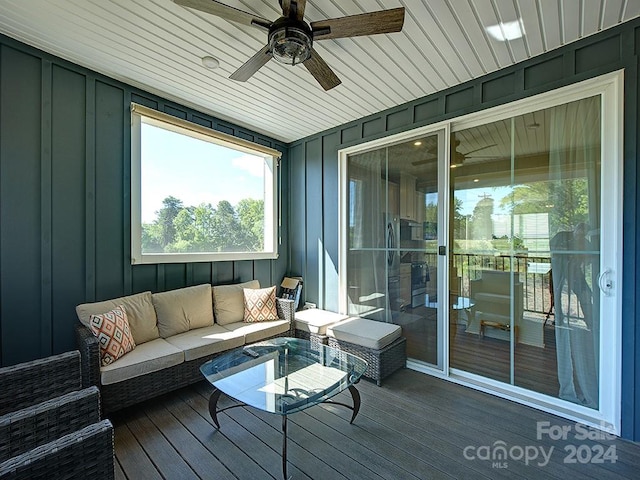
[
  {"x": 391, "y": 258},
  {"x": 529, "y": 253},
  {"x": 495, "y": 243}
]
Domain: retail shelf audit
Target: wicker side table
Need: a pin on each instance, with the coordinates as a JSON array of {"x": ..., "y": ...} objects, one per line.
[
  {"x": 380, "y": 344},
  {"x": 382, "y": 362}
]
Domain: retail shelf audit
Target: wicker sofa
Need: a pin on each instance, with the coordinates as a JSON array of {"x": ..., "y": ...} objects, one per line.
[{"x": 175, "y": 333}]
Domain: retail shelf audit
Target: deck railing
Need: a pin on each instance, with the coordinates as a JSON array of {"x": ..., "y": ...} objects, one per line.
[{"x": 534, "y": 273}]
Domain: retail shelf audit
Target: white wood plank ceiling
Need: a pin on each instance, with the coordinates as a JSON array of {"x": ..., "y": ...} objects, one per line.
[{"x": 158, "y": 46}]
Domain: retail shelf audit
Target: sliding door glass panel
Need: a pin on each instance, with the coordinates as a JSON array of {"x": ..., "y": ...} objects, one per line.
[
  {"x": 392, "y": 242},
  {"x": 526, "y": 199},
  {"x": 481, "y": 259},
  {"x": 368, "y": 257}
]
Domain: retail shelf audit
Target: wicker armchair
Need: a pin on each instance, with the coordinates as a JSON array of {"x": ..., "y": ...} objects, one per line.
[{"x": 60, "y": 437}]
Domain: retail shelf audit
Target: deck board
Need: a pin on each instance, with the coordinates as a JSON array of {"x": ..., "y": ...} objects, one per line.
[{"x": 413, "y": 427}]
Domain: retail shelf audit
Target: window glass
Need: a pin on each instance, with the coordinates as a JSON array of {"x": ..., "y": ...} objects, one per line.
[{"x": 197, "y": 198}]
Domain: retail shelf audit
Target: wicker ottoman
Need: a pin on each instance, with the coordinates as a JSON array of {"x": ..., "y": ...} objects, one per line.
[
  {"x": 312, "y": 324},
  {"x": 380, "y": 344}
]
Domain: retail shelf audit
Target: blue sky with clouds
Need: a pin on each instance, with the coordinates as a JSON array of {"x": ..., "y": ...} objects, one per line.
[{"x": 195, "y": 171}]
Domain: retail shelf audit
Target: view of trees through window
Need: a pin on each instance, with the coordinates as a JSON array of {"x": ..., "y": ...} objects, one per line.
[
  {"x": 180, "y": 228},
  {"x": 198, "y": 195}
]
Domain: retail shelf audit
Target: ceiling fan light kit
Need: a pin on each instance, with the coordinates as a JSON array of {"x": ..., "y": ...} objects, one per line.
[
  {"x": 290, "y": 44},
  {"x": 290, "y": 39}
]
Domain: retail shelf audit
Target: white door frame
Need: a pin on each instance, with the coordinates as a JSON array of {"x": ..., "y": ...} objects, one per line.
[{"x": 610, "y": 87}]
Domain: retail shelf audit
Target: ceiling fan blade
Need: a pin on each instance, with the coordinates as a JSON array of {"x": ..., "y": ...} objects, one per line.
[
  {"x": 224, "y": 11},
  {"x": 421, "y": 162},
  {"x": 321, "y": 71},
  {"x": 300, "y": 6},
  {"x": 478, "y": 149},
  {"x": 252, "y": 65},
  {"x": 286, "y": 7},
  {"x": 383, "y": 21}
]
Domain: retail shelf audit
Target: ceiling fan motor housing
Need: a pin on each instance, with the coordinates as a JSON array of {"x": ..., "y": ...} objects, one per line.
[{"x": 290, "y": 41}]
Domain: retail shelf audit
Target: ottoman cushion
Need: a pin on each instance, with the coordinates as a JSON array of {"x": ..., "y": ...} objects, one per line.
[
  {"x": 316, "y": 320},
  {"x": 367, "y": 333}
]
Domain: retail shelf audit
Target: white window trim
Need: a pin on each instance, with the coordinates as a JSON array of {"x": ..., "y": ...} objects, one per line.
[{"x": 169, "y": 122}]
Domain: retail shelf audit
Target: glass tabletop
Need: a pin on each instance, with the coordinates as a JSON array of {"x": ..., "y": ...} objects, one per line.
[{"x": 283, "y": 375}]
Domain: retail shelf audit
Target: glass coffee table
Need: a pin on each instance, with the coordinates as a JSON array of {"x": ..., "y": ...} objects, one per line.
[{"x": 283, "y": 376}]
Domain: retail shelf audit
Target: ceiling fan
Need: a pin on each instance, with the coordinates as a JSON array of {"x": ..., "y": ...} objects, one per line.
[
  {"x": 457, "y": 159},
  {"x": 290, "y": 38}
]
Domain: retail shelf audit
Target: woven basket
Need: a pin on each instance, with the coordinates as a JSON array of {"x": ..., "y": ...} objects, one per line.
[{"x": 381, "y": 363}]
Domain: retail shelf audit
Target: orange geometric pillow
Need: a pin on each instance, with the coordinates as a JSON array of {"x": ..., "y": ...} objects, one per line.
[
  {"x": 113, "y": 334},
  {"x": 260, "y": 304}
]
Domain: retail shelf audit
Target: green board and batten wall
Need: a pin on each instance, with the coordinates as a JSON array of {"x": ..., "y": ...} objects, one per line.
[
  {"x": 64, "y": 195},
  {"x": 65, "y": 201},
  {"x": 314, "y": 168}
]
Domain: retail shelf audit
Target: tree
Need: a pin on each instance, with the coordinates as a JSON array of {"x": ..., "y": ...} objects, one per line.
[
  {"x": 166, "y": 216},
  {"x": 566, "y": 201},
  {"x": 226, "y": 228},
  {"x": 251, "y": 218},
  {"x": 204, "y": 228}
]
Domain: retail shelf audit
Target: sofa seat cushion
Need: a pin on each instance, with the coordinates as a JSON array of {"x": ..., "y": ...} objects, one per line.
[
  {"x": 205, "y": 341},
  {"x": 254, "y": 332},
  {"x": 183, "y": 309},
  {"x": 140, "y": 314},
  {"x": 228, "y": 301},
  {"x": 364, "y": 332},
  {"x": 149, "y": 357},
  {"x": 316, "y": 320}
]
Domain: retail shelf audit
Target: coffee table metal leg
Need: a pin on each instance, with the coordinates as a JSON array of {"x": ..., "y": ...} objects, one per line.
[
  {"x": 355, "y": 395},
  {"x": 284, "y": 447},
  {"x": 213, "y": 406}
]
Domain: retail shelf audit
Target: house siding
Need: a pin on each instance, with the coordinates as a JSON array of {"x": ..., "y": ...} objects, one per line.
[
  {"x": 608, "y": 51},
  {"x": 65, "y": 201}
]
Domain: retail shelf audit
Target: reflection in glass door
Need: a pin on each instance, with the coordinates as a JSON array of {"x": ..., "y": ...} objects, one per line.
[
  {"x": 391, "y": 258},
  {"x": 526, "y": 203}
]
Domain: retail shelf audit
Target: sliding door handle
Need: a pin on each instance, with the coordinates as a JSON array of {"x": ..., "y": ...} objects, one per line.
[{"x": 605, "y": 283}]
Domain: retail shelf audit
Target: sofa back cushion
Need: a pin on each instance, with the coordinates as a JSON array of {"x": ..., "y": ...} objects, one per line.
[
  {"x": 183, "y": 309},
  {"x": 228, "y": 301},
  {"x": 140, "y": 313}
]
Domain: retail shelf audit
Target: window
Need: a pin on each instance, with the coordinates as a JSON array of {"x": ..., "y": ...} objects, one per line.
[{"x": 198, "y": 195}]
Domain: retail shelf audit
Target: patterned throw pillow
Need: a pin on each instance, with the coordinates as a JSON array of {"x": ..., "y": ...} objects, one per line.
[
  {"x": 113, "y": 333},
  {"x": 260, "y": 304}
]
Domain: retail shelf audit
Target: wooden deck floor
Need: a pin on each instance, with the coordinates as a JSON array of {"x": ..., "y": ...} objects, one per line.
[{"x": 413, "y": 427}]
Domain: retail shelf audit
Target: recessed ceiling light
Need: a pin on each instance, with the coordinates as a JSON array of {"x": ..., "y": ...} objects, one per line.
[
  {"x": 418, "y": 143},
  {"x": 476, "y": 180},
  {"x": 210, "y": 62},
  {"x": 506, "y": 30}
]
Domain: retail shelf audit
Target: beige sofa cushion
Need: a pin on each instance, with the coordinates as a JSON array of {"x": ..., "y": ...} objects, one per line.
[
  {"x": 183, "y": 309},
  {"x": 228, "y": 301},
  {"x": 140, "y": 313},
  {"x": 149, "y": 357},
  {"x": 205, "y": 341},
  {"x": 364, "y": 332},
  {"x": 254, "y": 332}
]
